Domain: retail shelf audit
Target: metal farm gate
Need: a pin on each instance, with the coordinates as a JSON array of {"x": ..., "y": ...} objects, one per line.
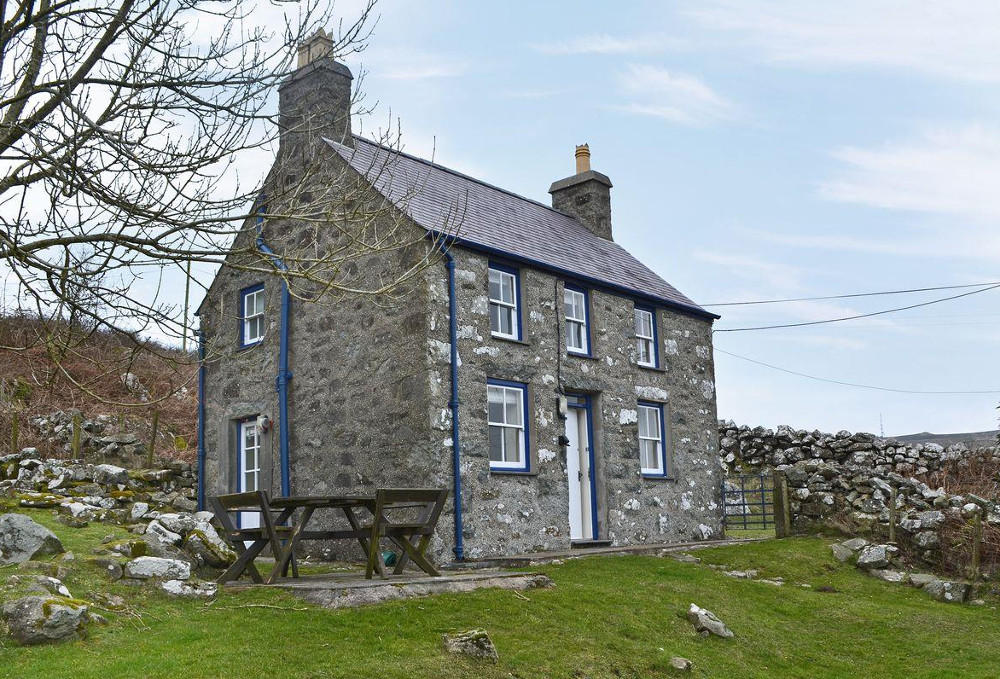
[{"x": 748, "y": 501}]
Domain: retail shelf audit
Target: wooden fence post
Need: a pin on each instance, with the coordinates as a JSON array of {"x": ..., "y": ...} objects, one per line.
[
  {"x": 977, "y": 544},
  {"x": 15, "y": 431},
  {"x": 77, "y": 435},
  {"x": 150, "y": 459},
  {"x": 892, "y": 515},
  {"x": 782, "y": 511}
]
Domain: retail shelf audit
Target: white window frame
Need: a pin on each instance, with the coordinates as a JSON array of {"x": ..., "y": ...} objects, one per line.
[
  {"x": 504, "y": 389},
  {"x": 510, "y": 307},
  {"x": 660, "y": 439},
  {"x": 249, "y": 427},
  {"x": 647, "y": 341},
  {"x": 574, "y": 322},
  {"x": 257, "y": 295}
]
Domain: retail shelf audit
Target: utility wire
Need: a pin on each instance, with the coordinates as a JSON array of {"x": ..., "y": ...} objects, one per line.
[
  {"x": 848, "y": 384},
  {"x": 857, "y": 316},
  {"x": 857, "y": 294}
]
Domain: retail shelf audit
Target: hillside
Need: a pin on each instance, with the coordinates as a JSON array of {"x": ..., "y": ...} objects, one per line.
[
  {"x": 115, "y": 383},
  {"x": 975, "y": 439}
]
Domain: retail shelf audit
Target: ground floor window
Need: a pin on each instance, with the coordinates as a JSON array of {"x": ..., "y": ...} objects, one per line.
[
  {"x": 652, "y": 442},
  {"x": 508, "y": 425}
]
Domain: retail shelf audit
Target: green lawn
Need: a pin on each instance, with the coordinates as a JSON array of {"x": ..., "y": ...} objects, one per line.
[{"x": 606, "y": 617}]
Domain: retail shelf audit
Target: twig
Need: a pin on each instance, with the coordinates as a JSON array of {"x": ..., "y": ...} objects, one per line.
[{"x": 520, "y": 596}]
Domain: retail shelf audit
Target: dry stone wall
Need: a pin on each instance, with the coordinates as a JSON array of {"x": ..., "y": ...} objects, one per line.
[
  {"x": 746, "y": 449},
  {"x": 862, "y": 484}
]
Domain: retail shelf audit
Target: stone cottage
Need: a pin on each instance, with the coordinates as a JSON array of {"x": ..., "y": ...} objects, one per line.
[{"x": 561, "y": 390}]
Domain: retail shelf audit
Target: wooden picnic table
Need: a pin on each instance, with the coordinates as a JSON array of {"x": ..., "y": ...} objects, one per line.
[
  {"x": 412, "y": 536},
  {"x": 309, "y": 504}
]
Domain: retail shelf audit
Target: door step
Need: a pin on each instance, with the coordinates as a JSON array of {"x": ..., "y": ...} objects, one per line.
[{"x": 585, "y": 544}]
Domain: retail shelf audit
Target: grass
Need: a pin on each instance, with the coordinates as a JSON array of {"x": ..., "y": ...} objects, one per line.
[{"x": 605, "y": 617}]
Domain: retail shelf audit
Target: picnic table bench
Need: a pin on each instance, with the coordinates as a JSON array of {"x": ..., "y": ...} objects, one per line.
[{"x": 405, "y": 516}]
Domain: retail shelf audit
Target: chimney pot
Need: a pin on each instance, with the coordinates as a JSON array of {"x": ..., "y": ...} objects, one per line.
[
  {"x": 318, "y": 46},
  {"x": 582, "y": 158}
]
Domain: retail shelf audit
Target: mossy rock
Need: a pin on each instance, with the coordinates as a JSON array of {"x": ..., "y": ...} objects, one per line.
[
  {"x": 38, "y": 500},
  {"x": 126, "y": 495},
  {"x": 128, "y": 548}
]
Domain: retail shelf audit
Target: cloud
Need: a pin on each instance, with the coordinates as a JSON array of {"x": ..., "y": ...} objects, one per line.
[
  {"x": 676, "y": 97},
  {"x": 409, "y": 64},
  {"x": 774, "y": 274},
  {"x": 606, "y": 44},
  {"x": 953, "y": 170},
  {"x": 956, "y": 39}
]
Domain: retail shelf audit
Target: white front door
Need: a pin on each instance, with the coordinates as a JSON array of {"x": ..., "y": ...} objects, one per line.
[
  {"x": 249, "y": 468},
  {"x": 578, "y": 475}
]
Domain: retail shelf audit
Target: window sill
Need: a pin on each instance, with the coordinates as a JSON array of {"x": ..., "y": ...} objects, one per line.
[
  {"x": 586, "y": 357},
  {"x": 512, "y": 472},
  {"x": 652, "y": 368},
  {"x": 659, "y": 477},
  {"x": 244, "y": 347},
  {"x": 513, "y": 340}
]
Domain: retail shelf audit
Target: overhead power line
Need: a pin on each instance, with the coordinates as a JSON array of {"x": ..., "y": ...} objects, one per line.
[
  {"x": 853, "y": 384},
  {"x": 856, "y": 294},
  {"x": 857, "y": 316}
]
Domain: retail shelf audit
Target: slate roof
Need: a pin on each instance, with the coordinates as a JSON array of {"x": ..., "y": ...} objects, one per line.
[{"x": 494, "y": 220}]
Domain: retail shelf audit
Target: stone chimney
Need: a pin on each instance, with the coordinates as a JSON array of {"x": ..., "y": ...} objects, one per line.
[
  {"x": 585, "y": 196},
  {"x": 315, "y": 101}
]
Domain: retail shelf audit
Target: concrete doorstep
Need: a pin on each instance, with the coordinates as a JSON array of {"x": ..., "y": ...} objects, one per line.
[{"x": 348, "y": 590}]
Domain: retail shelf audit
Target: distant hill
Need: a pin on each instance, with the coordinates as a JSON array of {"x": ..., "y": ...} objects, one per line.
[{"x": 971, "y": 439}]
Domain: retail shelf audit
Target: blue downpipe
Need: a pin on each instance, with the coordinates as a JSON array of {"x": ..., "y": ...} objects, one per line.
[
  {"x": 201, "y": 421},
  {"x": 456, "y": 452}
]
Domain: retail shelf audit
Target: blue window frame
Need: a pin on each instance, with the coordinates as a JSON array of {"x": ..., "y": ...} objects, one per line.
[
  {"x": 576, "y": 306},
  {"x": 646, "y": 340},
  {"x": 505, "y": 302},
  {"x": 251, "y": 315},
  {"x": 653, "y": 440},
  {"x": 509, "y": 425}
]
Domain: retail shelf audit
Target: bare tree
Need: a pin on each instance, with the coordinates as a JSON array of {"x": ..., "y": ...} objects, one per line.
[{"x": 123, "y": 126}]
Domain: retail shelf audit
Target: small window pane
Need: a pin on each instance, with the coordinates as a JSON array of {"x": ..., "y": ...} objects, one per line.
[
  {"x": 494, "y": 284},
  {"x": 512, "y": 447},
  {"x": 496, "y": 405},
  {"x": 506, "y": 320},
  {"x": 496, "y": 444},
  {"x": 514, "y": 406},
  {"x": 507, "y": 288}
]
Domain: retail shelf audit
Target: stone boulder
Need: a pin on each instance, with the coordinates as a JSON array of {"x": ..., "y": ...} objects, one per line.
[
  {"x": 110, "y": 475},
  {"x": 876, "y": 556},
  {"x": 21, "y": 539},
  {"x": 189, "y": 589},
  {"x": 706, "y": 621},
  {"x": 155, "y": 568},
  {"x": 475, "y": 643},
  {"x": 205, "y": 545},
  {"x": 948, "y": 591},
  {"x": 45, "y": 619}
]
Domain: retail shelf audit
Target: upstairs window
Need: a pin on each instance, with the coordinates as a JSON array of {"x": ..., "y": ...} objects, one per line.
[
  {"x": 577, "y": 317},
  {"x": 505, "y": 297},
  {"x": 652, "y": 448},
  {"x": 645, "y": 337},
  {"x": 251, "y": 315},
  {"x": 508, "y": 417}
]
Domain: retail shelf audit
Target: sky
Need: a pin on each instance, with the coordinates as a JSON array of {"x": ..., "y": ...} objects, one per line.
[{"x": 759, "y": 151}]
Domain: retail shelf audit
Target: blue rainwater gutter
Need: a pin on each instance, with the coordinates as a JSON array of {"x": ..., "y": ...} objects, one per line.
[
  {"x": 456, "y": 453},
  {"x": 201, "y": 420},
  {"x": 284, "y": 374}
]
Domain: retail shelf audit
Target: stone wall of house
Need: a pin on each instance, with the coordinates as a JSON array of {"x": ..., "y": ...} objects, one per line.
[
  {"x": 747, "y": 449},
  {"x": 509, "y": 513},
  {"x": 239, "y": 382}
]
